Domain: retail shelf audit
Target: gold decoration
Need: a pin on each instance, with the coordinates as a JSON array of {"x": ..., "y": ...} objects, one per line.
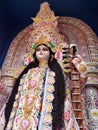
[
  {"x": 51, "y": 58},
  {"x": 43, "y": 65},
  {"x": 45, "y": 30},
  {"x": 67, "y": 60},
  {"x": 43, "y": 40},
  {"x": 82, "y": 68},
  {"x": 79, "y": 60},
  {"x": 10, "y": 125},
  {"x": 45, "y": 15},
  {"x": 12, "y": 114},
  {"x": 67, "y": 70}
]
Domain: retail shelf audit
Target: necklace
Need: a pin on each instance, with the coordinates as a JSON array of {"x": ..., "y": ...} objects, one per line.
[{"x": 43, "y": 65}]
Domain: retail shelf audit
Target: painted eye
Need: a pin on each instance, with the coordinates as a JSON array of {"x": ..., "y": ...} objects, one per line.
[
  {"x": 38, "y": 49},
  {"x": 45, "y": 49}
]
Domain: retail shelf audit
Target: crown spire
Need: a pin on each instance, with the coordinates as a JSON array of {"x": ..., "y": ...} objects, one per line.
[
  {"x": 45, "y": 15},
  {"x": 45, "y": 30}
]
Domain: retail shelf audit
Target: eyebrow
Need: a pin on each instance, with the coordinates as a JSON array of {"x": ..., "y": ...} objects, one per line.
[{"x": 43, "y": 47}]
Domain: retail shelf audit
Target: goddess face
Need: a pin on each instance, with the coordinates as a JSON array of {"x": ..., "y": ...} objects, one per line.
[{"x": 42, "y": 53}]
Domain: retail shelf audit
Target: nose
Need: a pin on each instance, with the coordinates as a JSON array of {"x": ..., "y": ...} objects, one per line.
[{"x": 41, "y": 51}]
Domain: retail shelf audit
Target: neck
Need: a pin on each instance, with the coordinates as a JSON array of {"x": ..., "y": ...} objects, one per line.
[{"x": 43, "y": 64}]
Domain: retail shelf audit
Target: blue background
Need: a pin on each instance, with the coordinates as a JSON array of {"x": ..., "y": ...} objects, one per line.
[{"x": 15, "y": 15}]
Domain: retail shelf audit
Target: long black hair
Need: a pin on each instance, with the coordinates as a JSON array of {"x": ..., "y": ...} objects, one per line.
[{"x": 59, "y": 93}]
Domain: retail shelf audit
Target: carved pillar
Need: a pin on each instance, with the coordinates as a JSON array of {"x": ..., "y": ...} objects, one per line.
[{"x": 91, "y": 96}]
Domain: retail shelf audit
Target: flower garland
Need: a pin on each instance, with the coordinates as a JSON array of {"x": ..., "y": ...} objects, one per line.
[{"x": 27, "y": 106}]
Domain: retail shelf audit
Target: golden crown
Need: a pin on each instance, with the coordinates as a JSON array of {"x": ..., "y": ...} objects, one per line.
[
  {"x": 43, "y": 40},
  {"x": 45, "y": 15},
  {"x": 45, "y": 29}
]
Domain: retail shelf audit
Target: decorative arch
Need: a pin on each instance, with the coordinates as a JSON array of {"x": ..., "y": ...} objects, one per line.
[
  {"x": 74, "y": 31},
  {"x": 81, "y": 34}
]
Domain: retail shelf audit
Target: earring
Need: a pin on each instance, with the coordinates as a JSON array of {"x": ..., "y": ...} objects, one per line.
[{"x": 51, "y": 58}]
